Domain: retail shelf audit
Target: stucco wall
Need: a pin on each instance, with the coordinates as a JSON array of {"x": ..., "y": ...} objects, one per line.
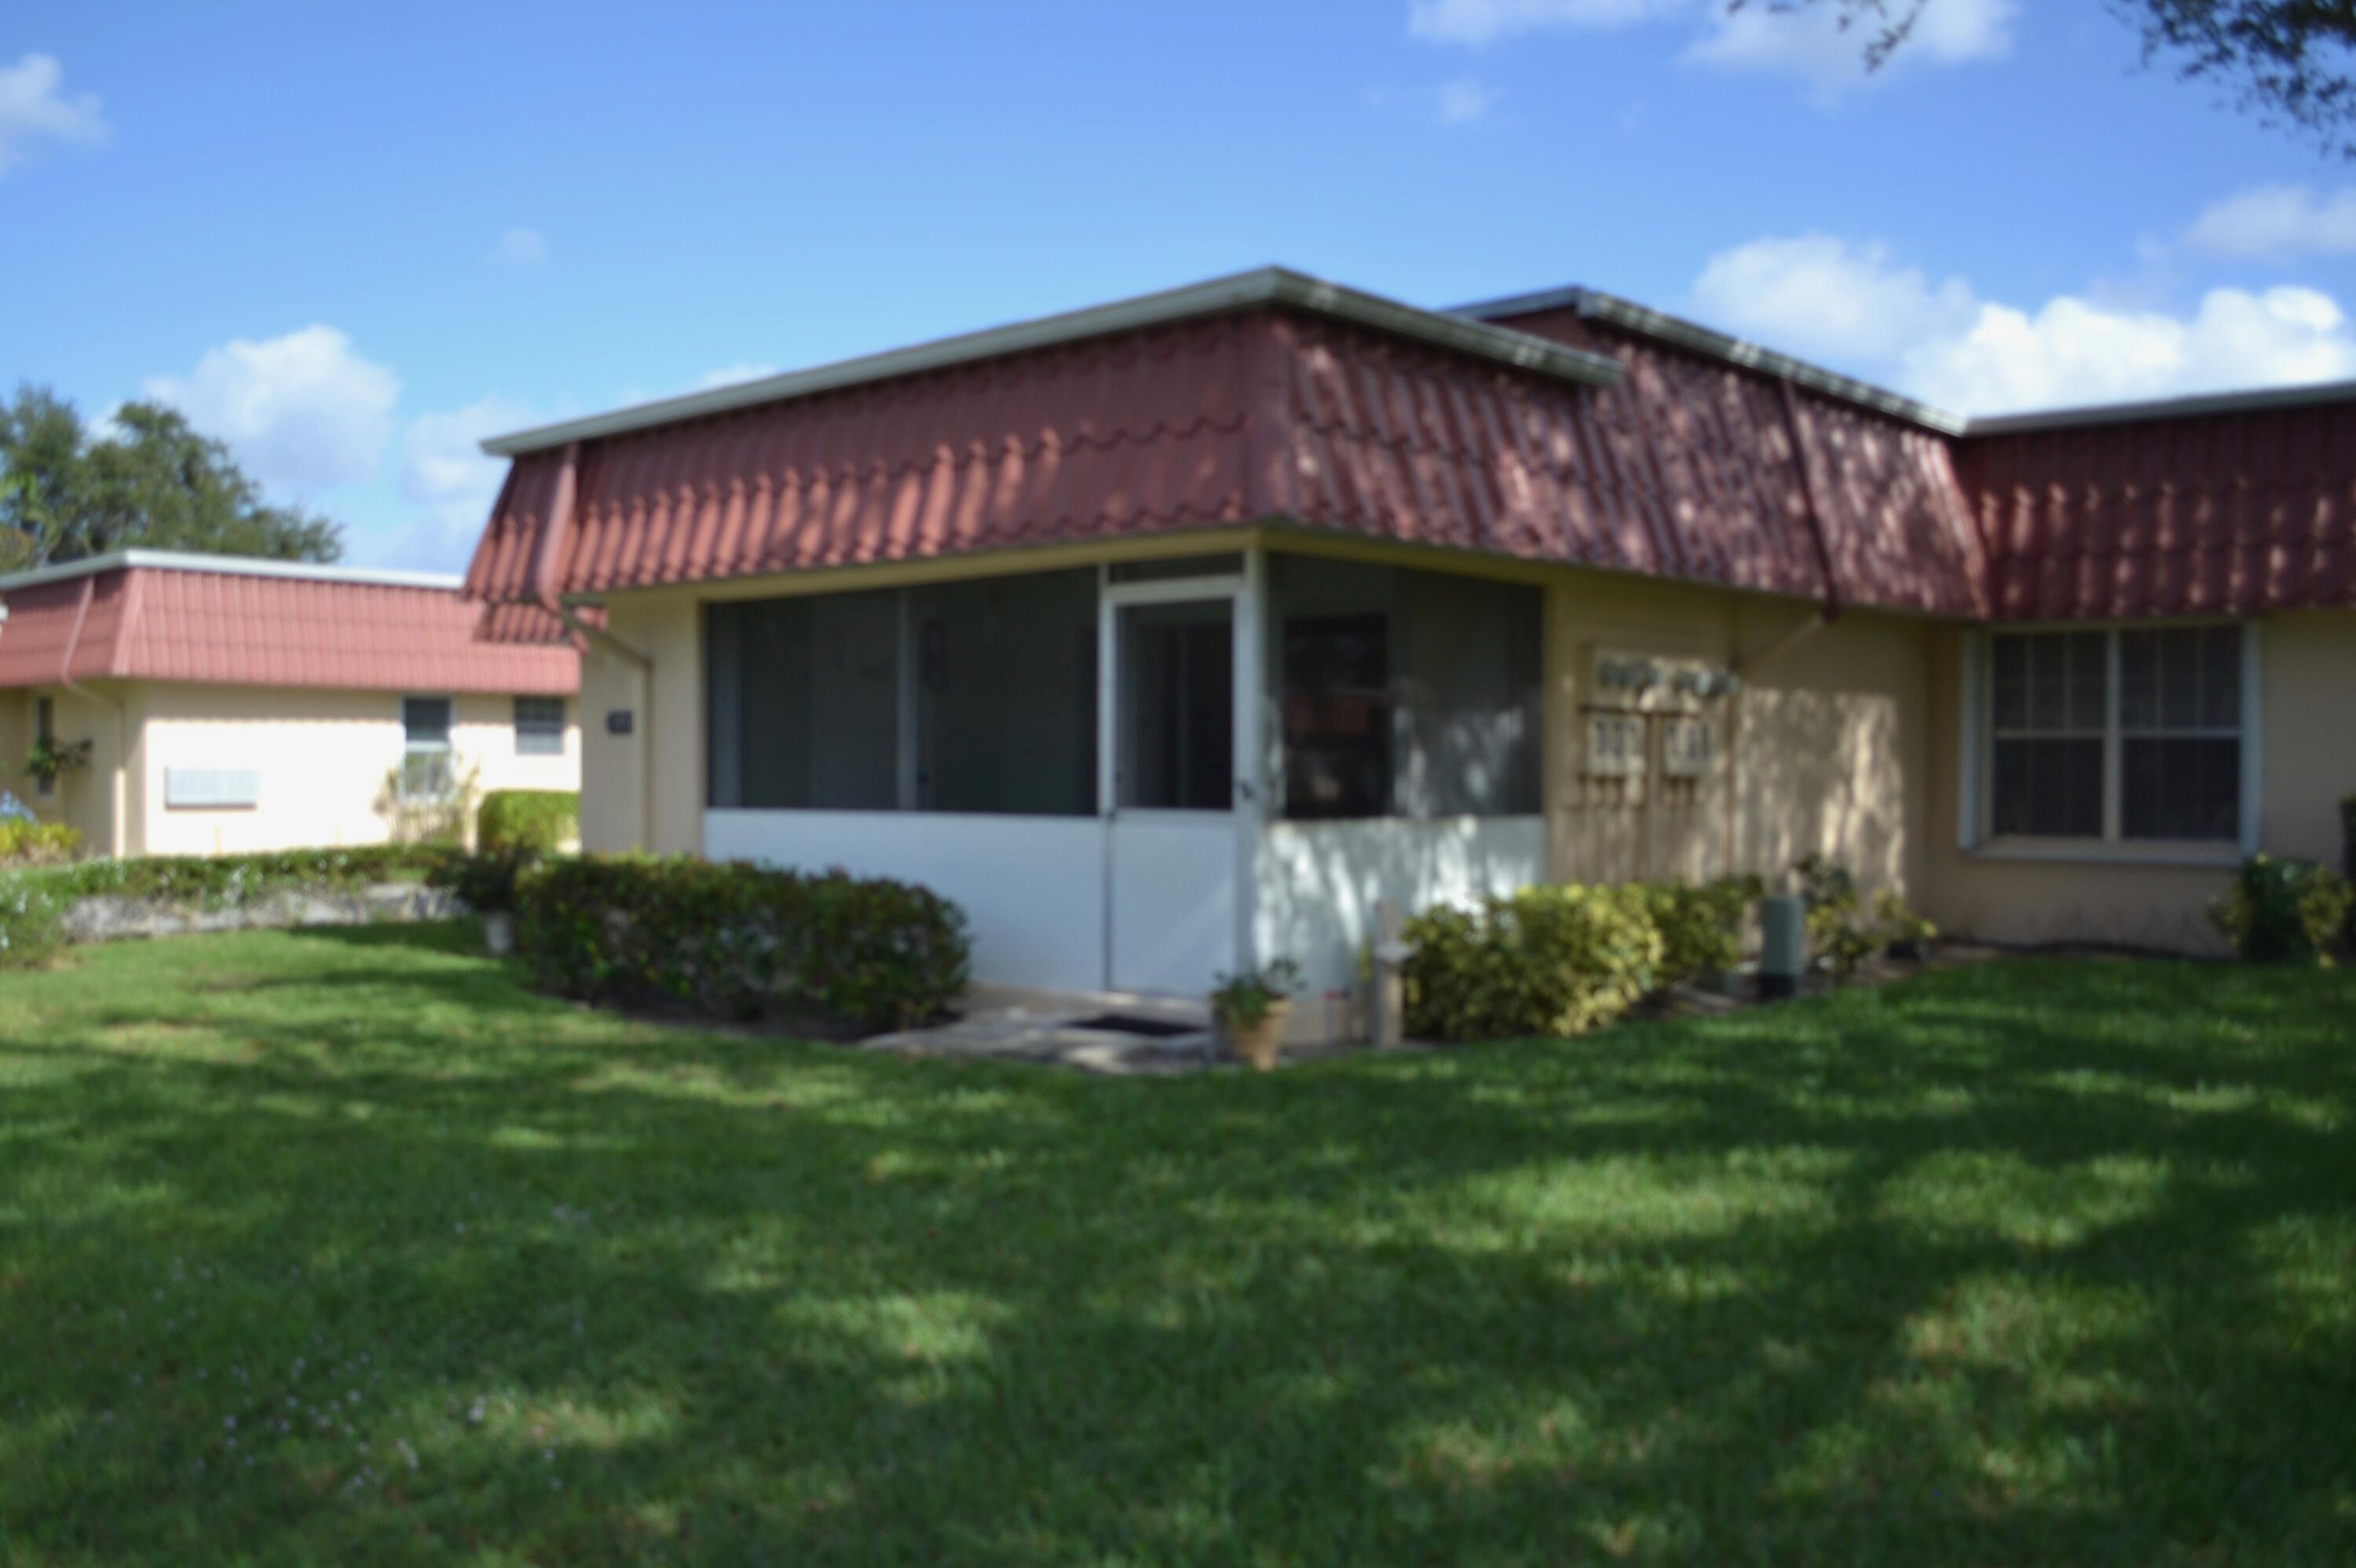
[
  {"x": 88, "y": 799},
  {"x": 2306, "y": 733},
  {"x": 1816, "y": 754},
  {"x": 323, "y": 755}
]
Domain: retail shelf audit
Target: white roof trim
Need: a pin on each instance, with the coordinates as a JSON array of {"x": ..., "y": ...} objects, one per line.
[
  {"x": 2193, "y": 407},
  {"x": 229, "y": 566},
  {"x": 1268, "y": 285},
  {"x": 1634, "y": 317}
]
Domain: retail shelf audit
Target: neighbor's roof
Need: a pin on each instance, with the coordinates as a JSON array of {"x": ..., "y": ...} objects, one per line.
[
  {"x": 1573, "y": 427},
  {"x": 159, "y": 615}
]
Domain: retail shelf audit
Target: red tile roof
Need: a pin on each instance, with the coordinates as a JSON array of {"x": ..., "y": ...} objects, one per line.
[
  {"x": 1709, "y": 462},
  {"x": 147, "y": 616}
]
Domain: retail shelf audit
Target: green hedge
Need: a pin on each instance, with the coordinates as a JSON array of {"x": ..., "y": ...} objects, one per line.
[
  {"x": 30, "y": 922},
  {"x": 1553, "y": 960},
  {"x": 738, "y": 941},
  {"x": 527, "y": 821},
  {"x": 23, "y": 843},
  {"x": 229, "y": 882},
  {"x": 2284, "y": 912}
]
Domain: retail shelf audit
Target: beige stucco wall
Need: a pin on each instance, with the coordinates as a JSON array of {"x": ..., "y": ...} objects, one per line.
[
  {"x": 2306, "y": 736},
  {"x": 324, "y": 757},
  {"x": 1815, "y": 755},
  {"x": 93, "y": 799}
]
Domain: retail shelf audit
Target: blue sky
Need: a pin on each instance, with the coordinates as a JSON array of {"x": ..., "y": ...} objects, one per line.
[{"x": 350, "y": 240}]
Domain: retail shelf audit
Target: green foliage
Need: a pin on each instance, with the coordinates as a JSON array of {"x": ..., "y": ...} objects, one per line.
[
  {"x": 30, "y": 917},
  {"x": 2284, "y": 912},
  {"x": 51, "y": 759},
  {"x": 1242, "y": 999},
  {"x": 1895, "y": 926},
  {"x": 486, "y": 882},
  {"x": 1839, "y": 938},
  {"x": 27, "y": 843},
  {"x": 740, "y": 941},
  {"x": 1700, "y": 926},
  {"x": 535, "y": 820},
  {"x": 1550, "y": 960},
  {"x": 67, "y": 494},
  {"x": 231, "y": 881}
]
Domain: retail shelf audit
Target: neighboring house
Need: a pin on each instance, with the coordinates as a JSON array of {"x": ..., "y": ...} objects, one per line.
[
  {"x": 233, "y": 705},
  {"x": 1176, "y": 634}
]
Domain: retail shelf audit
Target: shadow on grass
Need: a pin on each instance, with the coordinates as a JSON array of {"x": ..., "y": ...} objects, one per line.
[{"x": 2039, "y": 1263}]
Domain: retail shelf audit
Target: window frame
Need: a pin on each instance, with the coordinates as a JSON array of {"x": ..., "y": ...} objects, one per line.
[
  {"x": 1975, "y": 817},
  {"x": 446, "y": 750},
  {"x": 542, "y": 731}
]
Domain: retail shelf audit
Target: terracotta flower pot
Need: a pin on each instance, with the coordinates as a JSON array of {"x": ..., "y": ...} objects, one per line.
[{"x": 1263, "y": 1042}]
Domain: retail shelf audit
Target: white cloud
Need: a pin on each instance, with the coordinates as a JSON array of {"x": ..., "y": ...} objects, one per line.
[
  {"x": 2276, "y": 220},
  {"x": 522, "y": 248},
  {"x": 1811, "y": 43},
  {"x": 1465, "y": 99},
  {"x": 300, "y": 411},
  {"x": 729, "y": 375},
  {"x": 1818, "y": 296},
  {"x": 1807, "y": 42},
  {"x": 33, "y": 106},
  {"x": 1816, "y": 293},
  {"x": 450, "y": 481},
  {"x": 1480, "y": 22}
]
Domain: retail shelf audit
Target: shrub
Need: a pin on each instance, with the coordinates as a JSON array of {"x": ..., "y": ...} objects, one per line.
[
  {"x": 534, "y": 821},
  {"x": 1839, "y": 939},
  {"x": 740, "y": 941},
  {"x": 230, "y": 881},
  {"x": 1700, "y": 926},
  {"x": 2284, "y": 912},
  {"x": 486, "y": 883},
  {"x": 1898, "y": 928},
  {"x": 30, "y": 922},
  {"x": 24, "y": 842},
  {"x": 1553, "y": 960}
]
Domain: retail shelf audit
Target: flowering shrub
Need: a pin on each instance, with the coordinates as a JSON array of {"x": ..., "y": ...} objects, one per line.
[
  {"x": 1550, "y": 960},
  {"x": 25, "y": 842},
  {"x": 740, "y": 941}
]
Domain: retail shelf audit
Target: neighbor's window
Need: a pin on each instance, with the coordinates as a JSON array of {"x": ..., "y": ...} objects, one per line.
[
  {"x": 2130, "y": 734},
  {"x": 425, "y": 771},
  {"x": 44, "y": 731},
  {"x": 539, "y": 726}
]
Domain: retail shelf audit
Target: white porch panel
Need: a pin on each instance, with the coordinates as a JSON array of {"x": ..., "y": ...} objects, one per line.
[
  {"x": 1032, "y": 888},
  {"x": 1318, "y": 882},
  {"x": 1173, "y": 901}
]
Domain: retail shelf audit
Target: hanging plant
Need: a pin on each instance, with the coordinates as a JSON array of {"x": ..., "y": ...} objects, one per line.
[{"x": 52, "y": 758}]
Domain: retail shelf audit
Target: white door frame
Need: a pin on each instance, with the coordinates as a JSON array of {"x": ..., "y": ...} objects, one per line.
[{"x": 1243, "y": 593}]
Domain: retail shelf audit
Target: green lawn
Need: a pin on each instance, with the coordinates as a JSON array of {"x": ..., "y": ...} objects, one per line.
[{"x": 342, "y": 1248}]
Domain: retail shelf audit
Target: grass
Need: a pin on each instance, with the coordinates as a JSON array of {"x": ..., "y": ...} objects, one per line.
[{"x": 340, "y": 1247}]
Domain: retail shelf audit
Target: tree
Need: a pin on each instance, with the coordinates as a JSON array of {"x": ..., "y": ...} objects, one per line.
[
  {"x": 2288, "y": 62},
  {"x": 67, "y": 493}
]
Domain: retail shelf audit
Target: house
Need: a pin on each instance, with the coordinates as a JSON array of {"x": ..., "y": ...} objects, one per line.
[
  {"x": 230, "y": 705},
  {"x": 1178, "y": 632}
]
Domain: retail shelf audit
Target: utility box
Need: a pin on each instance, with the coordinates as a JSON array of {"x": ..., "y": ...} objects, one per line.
[{"x": 1782, "y": 945}]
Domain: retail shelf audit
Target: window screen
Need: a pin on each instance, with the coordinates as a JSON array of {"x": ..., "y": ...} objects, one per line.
[
  {"x": 2180, "y": 728},
  {"x": 1006, "y": 695},
  {"x": 988, "y": 686},
  {"x": 539, "y": 726},
  {"x": 1405, "y": 693},
  {"x": 426, "y": 772},
  {"x": 2049, "y": 691}
]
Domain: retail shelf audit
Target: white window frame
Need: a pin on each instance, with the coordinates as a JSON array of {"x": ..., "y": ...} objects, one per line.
[
  {"x": 1975, "y": 815},
  {"x": 563, "y": 717},
  {"x": 445, "y": 749}
]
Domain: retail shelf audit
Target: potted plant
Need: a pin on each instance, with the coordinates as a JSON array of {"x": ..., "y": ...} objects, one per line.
[
  {"x": 1906, "y": 936},
  {"x": 1250, "y": 1009},
  {"x": 486, "y": 885},
  {"x": 51, "y": 759}
]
